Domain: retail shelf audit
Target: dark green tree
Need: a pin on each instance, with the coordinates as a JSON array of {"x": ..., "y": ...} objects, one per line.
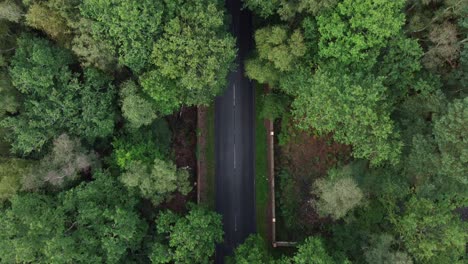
[
  {"x": 190, "y": 238},
  {"x": 93, "y": 222},
  {"x": 55, "y": 100},
  {"x": 252, "y": 251}
]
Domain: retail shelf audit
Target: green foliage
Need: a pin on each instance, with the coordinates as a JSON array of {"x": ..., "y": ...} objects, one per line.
[
  {"x": 431, "y": 231},
  {"x": 353, "y": 107},
  {"x": 9, "y": 99},
  {"x": 312, "y": 251},
  {"x": 42, "y": 17},
  {"x": 93, "y": 222},
  {"x": 380, "y": 251},
  {"x": 450, "y": 133},
  {"x": 12, "y": 172},
  {"x": 144, "y": 144},
  {"x": 289, "y": 208},
  {"x": 252, "y": 251},
  {"x": 90, "y": 51},
  {"x": 287, "y": 9},
  {"x": 10, "y": 11},
  {"x": 115, "y": 23},
  {"x": 157, "y": 183},
  {"x": 274, "y": 105},
  {"x": 276, "y": 46},
  {"x": 191, "y": 238},
  {"x": 54, "y": 99},
  {"x": 354, "y": 32},
  {"x": 399, "y": 64},
  {"x": 165, "y": 93},
  {"x": 338, "y": 194},
  {"x": 195, "y": 52},
  {"x": 136, "y": 108}
]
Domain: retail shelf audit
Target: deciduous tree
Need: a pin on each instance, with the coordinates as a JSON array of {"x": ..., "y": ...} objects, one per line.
[
  {"x": 190, "y": 238},
  {"x": 337, "y": 194}
]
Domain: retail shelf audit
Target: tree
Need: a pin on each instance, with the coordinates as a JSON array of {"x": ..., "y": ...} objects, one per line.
[
  {"x": 93, "y": 222},
  {"x": 55, "y": 101},
  {"x": 252, "y": 251},
  {"x": 278, "y": 47},
  {"x": 12, "y": 172},
  {"x": 312, "y": 251},
  {"x": 431, "y": 230},
  {"x": 114, "y": 23},
  {"x": 380, "y": 251},
  {"x": 288, "y": 9},
  {"x": 42, "y": 17},
  {"x": 64, "y": 164},
  {"x": 445, "y": 48},
  {"x": 92, "y": 52},
  {"x": 157, "y": 183},
  {"x": 338, "y": 194},
  {"x": 191, "y": 238},
  {"x": 9, "y": 103},
  {"x": 143, "y": 145},
  {"x": 107, "y": 225},
  {"x": 195, "y": 52},
  {"x": 354, "y": 32},
  {"x": 10, "y": 11},
  {"x": 136, "y": 108},
  {"x": 353, "y": 107},
  {"x": 28, "y": 226},
  {"x": 450, "y": 132}
]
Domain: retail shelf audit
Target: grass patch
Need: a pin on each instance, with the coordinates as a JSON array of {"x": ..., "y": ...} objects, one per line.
[
  {"x": 261, "y": 168},
  {"x": 210, "y": 157}
]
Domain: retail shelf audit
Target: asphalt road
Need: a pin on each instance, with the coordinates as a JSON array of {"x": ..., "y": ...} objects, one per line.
[{"x": 234, "y": 143}]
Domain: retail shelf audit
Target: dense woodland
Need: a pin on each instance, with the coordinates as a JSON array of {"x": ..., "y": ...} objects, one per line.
[{"x": 369, "y": 99}]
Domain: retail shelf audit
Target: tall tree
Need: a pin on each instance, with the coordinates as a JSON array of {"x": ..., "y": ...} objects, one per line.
[
  {"x": 115, "y": 23},
  {"x": 157, "y": 183},
  {"x": 195, "y": 51},
  {"x": 431, "y": 230},
  {"x": 353, "y": 107},
  {"x": 354, "y": 32},
  {"x": 337, "y": 194},
  {"x": 191, "y": 238},
  {"x": 93, "y": 222},
  {"x": 55, "y": 101}
]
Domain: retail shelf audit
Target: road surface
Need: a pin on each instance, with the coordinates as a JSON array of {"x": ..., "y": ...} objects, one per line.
[{"x": 234, "y": 143}]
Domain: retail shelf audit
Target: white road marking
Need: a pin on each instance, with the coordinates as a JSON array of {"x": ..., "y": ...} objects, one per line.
[
  {"x": 234, "y": 99},
  {"x": 235, "y": 223},
  {"x": 234, "y": 155}
]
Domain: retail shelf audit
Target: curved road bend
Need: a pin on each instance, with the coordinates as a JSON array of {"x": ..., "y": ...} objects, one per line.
[{"x": 234, "y": 143}]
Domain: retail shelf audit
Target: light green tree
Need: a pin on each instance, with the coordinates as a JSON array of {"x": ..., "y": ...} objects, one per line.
[
  {"x": 380, "y": 251},
  {"x": 337, "y": 194},
  {"x": 10, "y": 11},
  {"x": 354, "y": 32},
  {"x": 451, "y": 135},
  {"x": 157, "y": 183},
  {"x": 278, "y": 52},
  {"x": 136, "y": 108},
  {"x": 115, "y": 22},
  {"x": 353, "y": 107},
  {"x": 312, "y": 251},
  {"x": 195, "y": 51}
]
